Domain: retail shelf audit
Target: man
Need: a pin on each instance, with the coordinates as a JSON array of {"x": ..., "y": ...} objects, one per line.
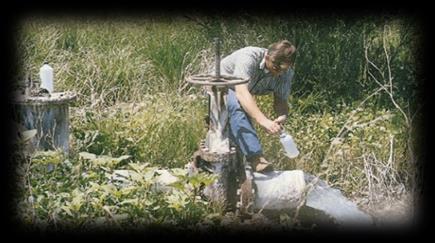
[{"x": 269, "y": 72}]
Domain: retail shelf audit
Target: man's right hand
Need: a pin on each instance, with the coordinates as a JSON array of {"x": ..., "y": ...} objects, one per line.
[{"x": 270, "y": 126}]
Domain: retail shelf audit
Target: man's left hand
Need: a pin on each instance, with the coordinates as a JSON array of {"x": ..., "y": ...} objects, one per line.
[{"x": 281, "y": 119}]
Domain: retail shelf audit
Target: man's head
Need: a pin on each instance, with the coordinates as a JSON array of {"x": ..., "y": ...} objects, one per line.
[{"x": 278, "y": 58}]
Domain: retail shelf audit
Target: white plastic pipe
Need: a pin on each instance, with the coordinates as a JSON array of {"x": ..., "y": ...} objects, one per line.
[{"x": 279, "y": 189}]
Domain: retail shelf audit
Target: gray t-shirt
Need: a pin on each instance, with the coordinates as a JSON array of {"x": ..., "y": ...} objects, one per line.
[{"x": 249, "y": 62}]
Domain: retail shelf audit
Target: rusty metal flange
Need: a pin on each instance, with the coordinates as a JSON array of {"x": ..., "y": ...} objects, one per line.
[
  {"x": 216, "y": 157},
  {"x": 246, "y": 194},
  {"x": 210, "y": 156}
]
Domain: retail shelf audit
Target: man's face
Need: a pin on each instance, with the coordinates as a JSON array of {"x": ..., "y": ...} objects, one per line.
[{"x": 276, "y": 68}]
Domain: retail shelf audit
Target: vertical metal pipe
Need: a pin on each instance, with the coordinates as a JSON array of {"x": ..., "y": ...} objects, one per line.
[{"x": 218, "y": 57}]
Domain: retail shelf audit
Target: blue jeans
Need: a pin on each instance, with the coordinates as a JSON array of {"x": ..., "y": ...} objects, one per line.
[{"x": 241, "y": 131}]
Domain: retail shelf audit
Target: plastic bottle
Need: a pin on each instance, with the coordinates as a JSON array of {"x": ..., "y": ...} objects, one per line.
[
  {"x": 46, "y": 75},
  {"x": 289, "y": 145}
]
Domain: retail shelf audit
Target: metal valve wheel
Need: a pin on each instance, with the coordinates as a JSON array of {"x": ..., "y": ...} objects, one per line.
[
  {"x": 217, "y": 79},
  {"x": 211, "y": 80}
]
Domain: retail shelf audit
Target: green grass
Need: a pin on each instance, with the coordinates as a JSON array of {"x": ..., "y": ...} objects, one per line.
[{"x": 164, "y": 129}]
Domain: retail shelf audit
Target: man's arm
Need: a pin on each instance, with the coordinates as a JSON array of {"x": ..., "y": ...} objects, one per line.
[
  {"x": 250, "y": 106},
  {"x": 280, "y": 106}
]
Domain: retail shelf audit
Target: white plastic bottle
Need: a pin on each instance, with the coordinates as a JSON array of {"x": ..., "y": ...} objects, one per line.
[
  {"x": 46, "y": 75},
  {"x": 289, "y": 145}
]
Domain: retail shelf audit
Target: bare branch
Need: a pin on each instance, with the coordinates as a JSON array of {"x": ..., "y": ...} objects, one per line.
[
  {"x": 390, "y": 78},
  {"x": 391, "y": 157},
  {"x": 362, "y": 125},
  {"x": 371, "y": 63}
]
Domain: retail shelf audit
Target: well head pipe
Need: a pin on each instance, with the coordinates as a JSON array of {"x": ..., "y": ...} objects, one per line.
[{"x": 217, "y": 58}]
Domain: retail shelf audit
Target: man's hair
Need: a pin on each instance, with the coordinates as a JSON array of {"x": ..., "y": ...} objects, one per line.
[{"x": 281, "y": 51}]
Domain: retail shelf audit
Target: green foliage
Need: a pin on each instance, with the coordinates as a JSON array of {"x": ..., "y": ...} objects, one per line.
[
  {"x": 368, "y": 131},
  {"x": 47, "y": 157},
  {"x": 104, "y": 160},
  {"x": 164, "y": 129},
  {"x": 80, "y": 193}
]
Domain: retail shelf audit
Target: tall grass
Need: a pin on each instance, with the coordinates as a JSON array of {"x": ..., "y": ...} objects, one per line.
[
  {"x": 163, "y": 130},
  {"x": 124, "y": 58},
  {"x": 106, "y": 62}
]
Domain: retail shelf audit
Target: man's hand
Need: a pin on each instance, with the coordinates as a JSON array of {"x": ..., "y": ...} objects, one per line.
[
  {"x": 248, "y": 103},
  {"x": 281, "y": 119},
  {"x": 270, "y": 126}
]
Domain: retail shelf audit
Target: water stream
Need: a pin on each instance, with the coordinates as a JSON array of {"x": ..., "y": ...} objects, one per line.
[{"x": 332, "y": 202}]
